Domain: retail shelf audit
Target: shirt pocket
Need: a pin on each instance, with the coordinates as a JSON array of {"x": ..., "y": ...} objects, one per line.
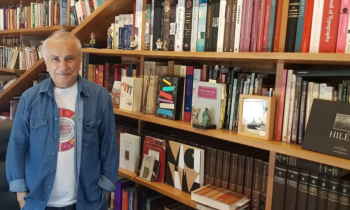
[
  {"x": 90, "y": 131},
  {"x": 38, "y": 131}
]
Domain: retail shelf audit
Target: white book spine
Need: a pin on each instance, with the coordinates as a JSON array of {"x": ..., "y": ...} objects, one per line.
[
  {"x": 238, "y": 25},
  {"x": 152, "y": 19},
  {"x": 116, "y": 32},
  {"x": 286, "y": 105},
  {"x": 347, "y": 47},
  {"x": 291, "y": 109},
  {"x": 194, "y": 30},
  {"x": 316, "y": 26},
  {"x": 322, "y": 90},
  {"x": 1, "y": 19},
  {"x": 138, "y": 23},
  {"x": 180, "y": 20},
  {"x": 221, "y": 30}
]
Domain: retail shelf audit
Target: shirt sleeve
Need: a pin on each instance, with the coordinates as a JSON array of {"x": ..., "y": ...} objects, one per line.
[
  {"x": 17, "y": 149},
  {"x": 109, "y": 149}
]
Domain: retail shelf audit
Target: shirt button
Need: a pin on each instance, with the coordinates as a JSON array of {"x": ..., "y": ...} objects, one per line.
[
  {"x": 53, "y": 153},
  {"x": 49, "y": 187},
  {"x": 55, "y": 137},
  {"x": 56, "y": 119}
]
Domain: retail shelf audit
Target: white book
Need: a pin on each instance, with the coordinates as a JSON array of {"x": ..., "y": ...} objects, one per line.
[
  {"x": 238, "y": 25},
  {"x": 316, "y": 26},
  {"x": 221, "y": 30},
  {"x": 1, "y": 19},
  {"x": 180, "y": 21},
  {"x": 121, "y": 28},
  {"x": 197, "y": 75},
  {"x": 129, "y": 151},
  {"x": 328, "y": 93},
  {"x": 138, "y": 23},
  {"x": 131, "y": 94},
  {"x": 322, "y": 90},
  {"x": 291, "y": 109},
  {"x": 286, "y": 105},
  {"x": 116, "y": 32},
  {"x": 194, "y": 30},
  {"x": 347, "y": 46}
]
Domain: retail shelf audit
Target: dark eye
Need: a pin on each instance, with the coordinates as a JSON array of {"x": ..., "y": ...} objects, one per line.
[
  {"x": 69, "y": 59},
  {"x": 55, "y": 59}
]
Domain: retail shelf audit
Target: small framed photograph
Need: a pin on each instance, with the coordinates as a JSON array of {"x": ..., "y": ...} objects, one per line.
[{"x": 257, "y": 116}]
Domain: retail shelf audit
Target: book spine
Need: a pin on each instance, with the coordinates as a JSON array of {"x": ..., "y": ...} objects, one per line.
[
  {"x": 106, "y": 76},
  {"x": 291, "y": 109},
  {"x": 188, "y": 93},
  {"x": 194, "y": 32},
  {"x": 302, "y": 190},
  {"x": 157, "y": 22},
  {"x": 221, "y": 27},
  {"x": 347, "y": 45},
  {"x": 281, "y": 108},
  {"x": 293, "y": 14},
  {"x": 202, "y": 22},
  {"x": 261, "y": 26},
  {"x": 187, "y": 28},
  {"x": 271, "y": 25},
  {"x": 125, "y": 200},
  {"x": 243, "y": 24},
  {"x": 316, "y": 26},
  {"x": 228, "y": 23},
  {"x": 291, "y": 188},
  {"x": 279, "y": 186},
  {"x": 248, "y": 26},
  {"x": 302, "y": 112},
  {"x": 329, "y": 28},
  {"x": 343, "y": 26},
  {"x": 233, "y": 26},
  {"x": 240, "y": 175},
  {"x": 238, "y": 25},
  {"x": 218, "y": 170},
  {"x": 180, "y": 15},
  {"x": 333, "y": 194},
  {"x": 322, "y": 195},
  {"x": 255, "y": 25},
  {"x": 85, "y": 65},
  {"x": 300, "y": 26},
  {"x": 116, "y": 30},
  {"x": 287, "y": 105},
  {"x": 131, "y": 200},
  {"x": 225, "y": 170},
  {"x": 209, "y": 25},
  {"x": 121, "y": 31},
  {"x": 248, "y": 177},
  {"x": 305, "y": 42},
  {"x": 266, "y": 25},
  {"x": 296, "y": 110},
  {"x": 211, "y": 174},
  {"x": 172, "y": 31},
  {"x": 233, "y": 172},
  {"x": 147, "y": 27},
  {"x": 118, "y": 197},
  {"x": 257, "y": 179},
  {"x": 166, "y": 24},
  {"x": 312, "y": 191},
  {"x": 344, "y": 195},
  {"x": 215, "y": 25},
  {"x": 262, "y": 203},
  {"x": 276, "y": 40}
]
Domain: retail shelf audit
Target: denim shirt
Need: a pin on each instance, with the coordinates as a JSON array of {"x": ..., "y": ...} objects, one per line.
[{"x": 32, "y": 152}]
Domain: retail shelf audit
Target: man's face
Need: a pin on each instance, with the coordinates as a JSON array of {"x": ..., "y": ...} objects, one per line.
[{"x": 63, "y": 62}]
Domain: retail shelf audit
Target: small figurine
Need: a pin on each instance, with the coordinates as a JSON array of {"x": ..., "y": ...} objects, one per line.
[
  {"x": 159, "y": 44},
  {"x": 206, "y": 117},
  {"x": 133, "y": 43},
  {"x": 109, "y": 39},
  {"x": 165, "y": 45},
  {"x": 195, "y": 113},
  {"x": 146, "y": 46},
  {"x": 92, "y": 40}
]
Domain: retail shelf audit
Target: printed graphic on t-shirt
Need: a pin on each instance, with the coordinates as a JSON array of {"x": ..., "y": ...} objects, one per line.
[{"x": 66, "y": 130}]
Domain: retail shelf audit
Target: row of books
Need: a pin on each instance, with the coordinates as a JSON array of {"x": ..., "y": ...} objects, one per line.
[
  {"x": 301, "y": 184},
  {"x": 81, "y": 9},
  {"x": 213, "y": 25},
  {"x": 123, "y": 32},
  {"x": 38, "y": 14},
  {"x": 319, "y": 26},
  {"x": 298, "y": 90}
]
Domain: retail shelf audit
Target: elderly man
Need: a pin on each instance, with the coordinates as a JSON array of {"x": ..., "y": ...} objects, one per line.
[{"x": 62, "y": 152}]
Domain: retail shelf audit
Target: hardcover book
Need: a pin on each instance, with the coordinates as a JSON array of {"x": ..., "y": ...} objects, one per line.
[
  {"x": 131, "y": 94},
  {"x": 169, "y": 97},
  {"x": 147, "y": 167},
  {"x": 129, "y": 151},
  {"x": 332, "y": 135}
]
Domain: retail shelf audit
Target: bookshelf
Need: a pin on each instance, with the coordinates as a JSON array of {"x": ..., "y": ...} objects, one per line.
[
  {"x": 11, "y": 71},
  {"x": 41, "y": 31}
]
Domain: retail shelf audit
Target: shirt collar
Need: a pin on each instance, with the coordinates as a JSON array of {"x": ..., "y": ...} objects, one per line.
[{"x": 48, "y": 87}]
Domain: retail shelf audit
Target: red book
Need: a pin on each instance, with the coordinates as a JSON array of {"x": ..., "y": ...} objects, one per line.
[
  {"x": 248, "y": 26},
  {"x": 96, "y": 73},
  {"x": 329, "y": 30},
  {"x": 305, "y": 42},
  {"x": 118, "y": 71},
  {"x": 243, "y": 23},
  {"x": 276, "y": 39},
  {"x": 281, "y": 108},
  {"x": 106, "y": 76},
  {"x": 255, "y": 26},
  {"x": 100, "y": 75},
  {"x": 266, "y": 25},
  {"x": 125, "y": 200},
  {"x": 261, "y": 26},
  {"x": 152, "y": 146}
]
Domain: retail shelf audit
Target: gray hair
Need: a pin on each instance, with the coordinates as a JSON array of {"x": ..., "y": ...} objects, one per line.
[{"x": 62, "y": 36}]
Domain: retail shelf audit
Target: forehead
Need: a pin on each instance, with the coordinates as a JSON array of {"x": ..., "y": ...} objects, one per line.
[{"x": 62, "y": 47}]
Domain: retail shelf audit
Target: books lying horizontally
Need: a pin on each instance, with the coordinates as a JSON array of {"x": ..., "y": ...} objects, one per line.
[{"x": 219, "y": 198}]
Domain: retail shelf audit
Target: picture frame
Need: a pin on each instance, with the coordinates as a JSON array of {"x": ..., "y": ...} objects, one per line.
[{"x": 257, "y": 116}]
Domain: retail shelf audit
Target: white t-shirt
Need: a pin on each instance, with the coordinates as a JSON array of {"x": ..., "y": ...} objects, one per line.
[{"x": 64, "y": 192}]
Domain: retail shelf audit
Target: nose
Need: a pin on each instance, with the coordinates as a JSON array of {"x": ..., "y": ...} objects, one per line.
[{"x": 63, "y": 65}]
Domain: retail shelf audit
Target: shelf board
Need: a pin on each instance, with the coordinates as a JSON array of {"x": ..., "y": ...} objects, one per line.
[
  {"x": 317, "y": 58},
  {"x": 40, "y": 31},
  {"x": 11, "y": 71},
  {"x": 228, "y": 135},
  {"x": 162, "y": 188}
]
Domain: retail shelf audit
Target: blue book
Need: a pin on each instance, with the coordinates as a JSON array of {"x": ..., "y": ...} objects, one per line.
[
  {"x": 120, "y": 185},
  {"x": 188, "y": 93},
  {"x": 202, "y": 22},
  {"x": 300, "y": 26},
  {"x": 63, "y": 12},
  {"x": 303, "y": 99},
  {"x": 131, "y": 198},
  {"x": 271, "y": 25}
]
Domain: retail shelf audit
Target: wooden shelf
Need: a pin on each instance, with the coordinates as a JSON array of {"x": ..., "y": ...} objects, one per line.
[
  {"x": 228, "y": 135},
  {"x": 41, "y": 31},
  {"x": 317, "y": 58},
  {"x": 11, "y": 71},
  {"x": 162, "y": 188}
]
